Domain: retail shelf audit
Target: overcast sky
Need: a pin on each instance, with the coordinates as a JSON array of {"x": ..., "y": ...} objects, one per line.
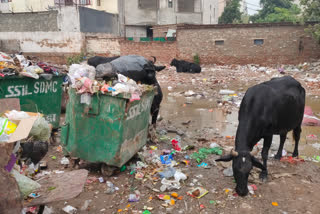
[{"x": 253, "y": 6}]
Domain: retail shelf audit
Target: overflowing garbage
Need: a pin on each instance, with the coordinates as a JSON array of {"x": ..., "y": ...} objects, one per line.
[
  {"x": 19, "y": 65},
  {"x": 106, "y": 79}
]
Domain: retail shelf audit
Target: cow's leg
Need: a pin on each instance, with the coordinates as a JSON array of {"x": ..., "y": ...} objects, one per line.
[
  {"x": 282, "y": 140},
  {"x": 296, "y": 136},
  {"x": 265, "y": 150},
  {"x": 155, "y": 107}
]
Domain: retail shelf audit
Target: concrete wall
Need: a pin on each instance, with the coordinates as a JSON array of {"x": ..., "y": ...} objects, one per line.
[
  {"x": 29, "y": 22},
  {"x": 68, "y": 19},
  {"x": 136, "y": 16},
  {"x": 136, "y": 31},
  {"x": 65, "y": 19},
  {"x": 21, "y": 6},
  {"x": 281, "y": 44},
  {"x": 210, "y": 12},
  {"x": 97, "y": 21},
  {"x": 110, "y": 6},
  {"x": 221, "y": 5},
  {"x": 205, "y": 12},
  {"x": 45, "y": 42}
]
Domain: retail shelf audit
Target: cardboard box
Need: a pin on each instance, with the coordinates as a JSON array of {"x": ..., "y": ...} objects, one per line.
[{"x": 23, "y": 129}]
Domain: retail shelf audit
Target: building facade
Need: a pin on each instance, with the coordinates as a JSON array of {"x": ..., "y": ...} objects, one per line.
[
  {"x": 137, "y": 16},
  {"x": 24, "y": 6}
]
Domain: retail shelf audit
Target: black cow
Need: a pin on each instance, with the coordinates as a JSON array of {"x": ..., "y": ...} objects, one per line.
[
  {"x": 184, "y": 66},
  {"x": 97, "y": 60},
  {"x": 272, "y": 107},
  {"x": 147, "y": 75}
]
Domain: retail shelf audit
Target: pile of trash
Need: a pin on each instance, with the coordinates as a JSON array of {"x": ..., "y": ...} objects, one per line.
[
  {"x": 86, "y": 80},
  {"x": 30, "y": 132},
  {"x": 17, "y": 64}
]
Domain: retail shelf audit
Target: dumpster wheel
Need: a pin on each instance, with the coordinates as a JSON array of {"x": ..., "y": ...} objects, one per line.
[{"x": 107, "y": 170}]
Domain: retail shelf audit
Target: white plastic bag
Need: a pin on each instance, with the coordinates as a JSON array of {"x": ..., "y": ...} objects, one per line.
[
  {"x": 77, "y": 71},
  {"x": 41, "y": 129},
  {"x": 26, "y": 185},
  {"x": 16, "y": 115}
]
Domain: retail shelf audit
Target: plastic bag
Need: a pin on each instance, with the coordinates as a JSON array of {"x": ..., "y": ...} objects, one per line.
[
  {"x": 7, "y": 127},
  {"x": 16, "y": 115},
  {"x": 77, "y": 71},
  {"x": 5, "y": 57},
  {"x": 85, "y": 98},
  {"x": 26, "y": 185},
  {"x": 31, "y": 74},
  {"x": 40, "y": 130},
  {"x": 23, "y": 61}
]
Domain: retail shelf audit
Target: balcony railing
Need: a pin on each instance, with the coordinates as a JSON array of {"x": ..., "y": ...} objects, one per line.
[{"x": 71, "y": 2}]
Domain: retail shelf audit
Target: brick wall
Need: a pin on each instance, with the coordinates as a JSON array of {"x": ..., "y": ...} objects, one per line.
[
  {"x": 161, "y": 30},
  {"x": 281, "y": 44},
  {"x": 163, "y": 51}
]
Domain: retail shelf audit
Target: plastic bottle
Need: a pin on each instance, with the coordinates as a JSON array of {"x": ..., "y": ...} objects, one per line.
[
  {"x": 110, "y": 188},
  {"x": 167, "y": 173},
  {"x": 134, "y": 197}
]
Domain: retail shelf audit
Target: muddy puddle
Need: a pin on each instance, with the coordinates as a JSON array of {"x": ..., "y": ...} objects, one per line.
[{"x": 204, "y": 114}]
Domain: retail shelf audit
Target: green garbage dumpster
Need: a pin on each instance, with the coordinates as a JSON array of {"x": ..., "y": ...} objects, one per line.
[
  {"x": 36, "y": 95},
  {"x": 111, "y": 130}
]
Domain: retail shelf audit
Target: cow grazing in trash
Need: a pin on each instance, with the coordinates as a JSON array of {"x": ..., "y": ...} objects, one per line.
[
  {"x": 184, "y": 66},
  {"x": 272, "y": 107},
  {"x": 140, "y": 70},
  {"x": 97, "y": 60}
]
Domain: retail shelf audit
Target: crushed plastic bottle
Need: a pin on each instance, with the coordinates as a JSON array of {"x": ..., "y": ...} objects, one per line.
[
  {"x": 179, "y": 176},
  {"x": 110, "y": 188},
  {"x": 167, "y": 173},
  {"x": 134, "y": 197}
]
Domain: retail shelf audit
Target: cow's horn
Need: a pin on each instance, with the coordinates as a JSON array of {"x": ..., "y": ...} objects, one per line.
[
  {"x": 234, "y": 153},
  {"x": 254, "y": 152}
]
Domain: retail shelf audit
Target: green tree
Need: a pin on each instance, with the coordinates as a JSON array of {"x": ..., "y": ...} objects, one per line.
[
  {"x": 311, "y": 12},
  {"x": 231, "y": 13},
  {"x": 269, "y": 7},
  {"x": 282, "y": 15}
]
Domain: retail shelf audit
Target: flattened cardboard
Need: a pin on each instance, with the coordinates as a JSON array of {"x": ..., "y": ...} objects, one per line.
[{"x": 23, "y": 129}]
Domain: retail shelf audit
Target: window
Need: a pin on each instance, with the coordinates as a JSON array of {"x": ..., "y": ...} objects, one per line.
[
  {"x": 84, "y": 2},
  {"x": 148, "y": 4},
  {"x": 258, "y": 41},
  {"x": 170, "y": 4},
  {"x": 186, "y": 6},
  {"x": 219, "y": 42},
  {"x": 98, "y": 2}
]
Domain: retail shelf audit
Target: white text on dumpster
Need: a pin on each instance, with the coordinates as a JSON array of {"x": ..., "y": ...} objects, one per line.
[
  {"x": 138, "y": 109},
  {"x": 38, "y": 88}
]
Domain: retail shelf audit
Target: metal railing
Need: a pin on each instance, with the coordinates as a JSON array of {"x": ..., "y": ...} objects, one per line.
[{"x": 72, "y": 2}]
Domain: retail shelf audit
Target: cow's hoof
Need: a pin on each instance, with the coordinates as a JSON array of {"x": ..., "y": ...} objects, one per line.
[
  {"x": 277, "y": 157},
  {"x": 295, "y": 154},
  {"x": 264, "y": 177}
]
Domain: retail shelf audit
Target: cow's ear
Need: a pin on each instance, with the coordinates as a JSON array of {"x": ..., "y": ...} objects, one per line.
[
  {"x": 257, "y": 163},
  {"x": 225, "y": 158}
]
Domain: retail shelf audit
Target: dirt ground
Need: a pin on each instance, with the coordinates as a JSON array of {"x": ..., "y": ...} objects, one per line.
[{"x": 200, "y": 117}]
